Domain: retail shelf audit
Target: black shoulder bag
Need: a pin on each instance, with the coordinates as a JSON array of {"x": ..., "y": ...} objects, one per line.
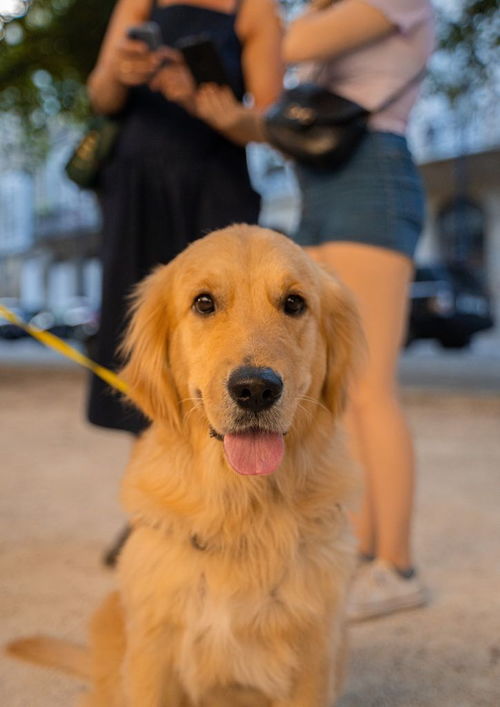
[
  {"x": 95, "y": 147},
  {"x": 319, "y": 128}
]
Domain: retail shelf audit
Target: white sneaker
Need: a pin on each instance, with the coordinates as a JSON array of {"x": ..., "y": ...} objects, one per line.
[{"x": 377, "y": 589}]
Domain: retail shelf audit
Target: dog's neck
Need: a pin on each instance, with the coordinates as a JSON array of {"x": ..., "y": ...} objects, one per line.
[{"x": 175, "y": 481}]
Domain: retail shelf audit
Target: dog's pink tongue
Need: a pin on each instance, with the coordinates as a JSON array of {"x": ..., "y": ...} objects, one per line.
[{"x": 254, "y": 452}]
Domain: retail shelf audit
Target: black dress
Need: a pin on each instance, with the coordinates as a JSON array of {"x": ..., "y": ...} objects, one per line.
[{"x": 171, "y": 179}]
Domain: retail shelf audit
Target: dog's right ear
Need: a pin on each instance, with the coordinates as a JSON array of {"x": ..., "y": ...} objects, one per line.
[{"x": 145, "y": 349}]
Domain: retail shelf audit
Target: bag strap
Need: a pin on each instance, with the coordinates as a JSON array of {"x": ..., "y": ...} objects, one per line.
[{"x": 401, "y": 90}]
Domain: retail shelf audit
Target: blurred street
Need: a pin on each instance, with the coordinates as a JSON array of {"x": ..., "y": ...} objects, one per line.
[
  {"x": 59, "y": 510},
  {"x": 424, "y": 365}
]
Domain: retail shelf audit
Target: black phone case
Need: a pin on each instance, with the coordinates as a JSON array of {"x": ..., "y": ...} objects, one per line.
[
  {"x": 203, "y": 60},
  {"x": 149, "y": 33}
]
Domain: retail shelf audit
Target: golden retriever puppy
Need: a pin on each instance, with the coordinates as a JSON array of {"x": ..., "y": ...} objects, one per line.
[{"x": 232, "y": 583}]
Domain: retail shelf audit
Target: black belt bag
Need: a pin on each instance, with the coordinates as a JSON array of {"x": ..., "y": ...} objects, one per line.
[
  {"x": 315, "y": 126},
  {"x": 319, "y": 128}
]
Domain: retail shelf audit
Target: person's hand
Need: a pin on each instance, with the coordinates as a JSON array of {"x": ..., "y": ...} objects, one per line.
[
  {"x": 134, "y": 63},
  {"x": 173, "y": 79},
  {"x": 218, "y": 107}
]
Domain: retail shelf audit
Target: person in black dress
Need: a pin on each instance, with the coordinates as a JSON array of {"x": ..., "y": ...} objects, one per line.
[
  {"x": 174, "y": 174},
  {"x": 172, "y": 177}
]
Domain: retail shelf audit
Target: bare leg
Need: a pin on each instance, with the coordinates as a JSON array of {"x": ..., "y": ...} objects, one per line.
[
  {"x": 364, "y": 520},
  {"x": 380, "y": 436}
]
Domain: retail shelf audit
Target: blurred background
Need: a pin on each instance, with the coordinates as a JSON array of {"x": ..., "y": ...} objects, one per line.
[
  {"x": 59, "y": 476},
  {"x": 49, "y": 228}
]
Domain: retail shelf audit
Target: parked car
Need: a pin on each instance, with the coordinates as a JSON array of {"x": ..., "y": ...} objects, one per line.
[
  {"x": 75, "y": 320},
  {"x": 81, "y": 319},
  {"x": 449, "y": 304},
  {"x": 7, "y": 329}
]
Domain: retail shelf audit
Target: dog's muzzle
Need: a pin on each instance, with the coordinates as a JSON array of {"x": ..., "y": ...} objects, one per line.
[{"x": 253, "y": 446}]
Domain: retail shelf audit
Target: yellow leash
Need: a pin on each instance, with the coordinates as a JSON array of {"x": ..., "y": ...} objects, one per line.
[{"x": 54, "y": 342}]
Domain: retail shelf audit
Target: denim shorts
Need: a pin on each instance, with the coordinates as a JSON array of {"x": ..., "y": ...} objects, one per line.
[{"x": 377, "y": 198}]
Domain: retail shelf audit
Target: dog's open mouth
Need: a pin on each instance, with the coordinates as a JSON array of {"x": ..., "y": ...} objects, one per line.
[{"x": 254, "y": 452}]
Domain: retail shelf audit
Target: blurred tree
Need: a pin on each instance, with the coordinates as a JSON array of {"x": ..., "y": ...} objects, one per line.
[
  {"x": 48, "y": 47},
  {"x": 469, "y": 39}
]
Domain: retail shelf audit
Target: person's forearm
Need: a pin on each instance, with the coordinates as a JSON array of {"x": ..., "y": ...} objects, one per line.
[
  {"x": 328, "y": 33},
  {"x": 106, "y": 94},
  {"x": 248, "y": 128}
]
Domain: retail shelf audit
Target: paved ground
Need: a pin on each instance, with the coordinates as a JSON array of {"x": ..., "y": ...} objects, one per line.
[{"x": 58, "y": 511}]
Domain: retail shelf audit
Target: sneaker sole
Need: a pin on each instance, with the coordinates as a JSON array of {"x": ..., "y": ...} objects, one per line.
[{"x": 389, "y": 607}]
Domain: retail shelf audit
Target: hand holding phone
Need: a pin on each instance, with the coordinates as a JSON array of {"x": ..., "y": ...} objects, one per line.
[
  {"x": 149, "y": 33},
  {"x": 203, "y": 60},
  {"x": 135, "y": 59}
]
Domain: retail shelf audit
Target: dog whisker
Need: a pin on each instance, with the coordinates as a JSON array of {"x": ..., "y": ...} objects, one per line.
[
  {"x": 309, "y": 399},
  {"x": 197, "y": 406},
  {"x": 303, "y": 410},
  {"x": 188, "y": 414}
]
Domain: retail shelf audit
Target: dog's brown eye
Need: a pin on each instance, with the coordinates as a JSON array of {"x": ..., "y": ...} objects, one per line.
[
  {"x": 204, "y": 304},
  {"x": 294, "y": 305}
]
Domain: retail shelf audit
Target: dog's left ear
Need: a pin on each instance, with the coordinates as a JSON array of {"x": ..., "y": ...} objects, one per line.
[
  {"x": 145, "y": 349},
  {"x": 344, "y": 341}
]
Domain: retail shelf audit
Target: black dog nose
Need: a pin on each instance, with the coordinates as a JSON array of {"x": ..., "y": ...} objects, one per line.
[{"x": 255, "y": 388}]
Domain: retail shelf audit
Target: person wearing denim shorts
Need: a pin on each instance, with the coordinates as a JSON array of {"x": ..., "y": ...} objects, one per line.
[{"x": 364, "y": 221}]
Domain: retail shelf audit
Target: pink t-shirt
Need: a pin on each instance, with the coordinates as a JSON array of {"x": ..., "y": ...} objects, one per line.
[{"x": 370, "y": 74}]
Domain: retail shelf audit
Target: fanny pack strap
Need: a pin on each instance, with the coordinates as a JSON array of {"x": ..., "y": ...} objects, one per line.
[{"x": 401, "y": 90}]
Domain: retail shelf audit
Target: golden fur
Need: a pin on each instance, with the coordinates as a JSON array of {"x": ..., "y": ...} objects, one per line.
[{"x": 231, "y": 588}]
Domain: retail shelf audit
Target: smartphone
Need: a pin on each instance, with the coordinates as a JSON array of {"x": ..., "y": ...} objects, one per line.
[
  {"x": 203, "y": 59},
  {"x": 149, "y": 33}
]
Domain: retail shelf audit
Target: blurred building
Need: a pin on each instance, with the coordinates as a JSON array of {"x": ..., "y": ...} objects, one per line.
[
  {"x": 459, "y": 156},
  {"x": 49, "y": 229}
]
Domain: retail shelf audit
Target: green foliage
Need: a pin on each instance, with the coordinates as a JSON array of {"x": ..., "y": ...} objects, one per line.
[
  {"x": 46, "y": 55},
  {"x": 54, "y": 47},
  {"x": 471, "y": 39}
]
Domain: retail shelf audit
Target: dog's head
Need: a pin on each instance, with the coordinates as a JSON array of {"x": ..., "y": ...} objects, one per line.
[{"x": 244, "y": 334}]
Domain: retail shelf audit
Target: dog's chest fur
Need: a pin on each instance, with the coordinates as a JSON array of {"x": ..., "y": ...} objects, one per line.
[
  {"x": 235, "y": 615},
  {"x": 227, "y": 575}
]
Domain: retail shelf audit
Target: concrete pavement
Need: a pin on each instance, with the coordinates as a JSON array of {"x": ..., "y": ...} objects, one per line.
[{"x": 58, "y": 510}]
